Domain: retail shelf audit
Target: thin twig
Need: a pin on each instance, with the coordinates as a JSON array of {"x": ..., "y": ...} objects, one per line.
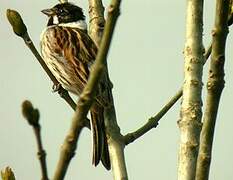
[
  {"x": 215, "y": 86},
  {"x": 41, "y": 152},
  {"x": 152, "y": 122},
  {"x": 32, "y": 116}
]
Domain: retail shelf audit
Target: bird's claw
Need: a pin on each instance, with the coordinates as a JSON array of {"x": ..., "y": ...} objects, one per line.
[
  {"x": 56, "y": 87},
  {"x": 61, "y": 91}
]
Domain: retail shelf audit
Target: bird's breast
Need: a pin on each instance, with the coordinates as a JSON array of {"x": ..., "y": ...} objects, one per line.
[{"x": 53, "y": 49}]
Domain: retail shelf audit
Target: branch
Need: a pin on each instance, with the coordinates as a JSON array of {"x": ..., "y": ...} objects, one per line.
[
  {"x": 70, "y": 143},
  {"x": 152, "y": 122},
  {"x": 86, "y": 98},
  {"x": 20, "y": 30},
  {"x": 97, "y": 21},
  {"x": 215, "y": 86},
  {"x": 32, "y": 116},
  {"x": 190, "y": 114},
  {"x": 115, "y": 139}
]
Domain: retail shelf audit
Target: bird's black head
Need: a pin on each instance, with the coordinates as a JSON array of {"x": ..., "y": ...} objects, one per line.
[{"x": 64, "y": 13}]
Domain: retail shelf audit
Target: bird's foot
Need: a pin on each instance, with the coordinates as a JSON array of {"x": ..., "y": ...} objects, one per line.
[
  {"x": 61, "y": 91},
  {"x": 56, "y": 87}
]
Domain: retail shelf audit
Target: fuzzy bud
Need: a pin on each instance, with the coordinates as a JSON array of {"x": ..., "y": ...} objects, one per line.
[
  {"x": 7, "y": 174},
  {"x": 16, "y": 22},
  {"x": 32, "y": 115}
]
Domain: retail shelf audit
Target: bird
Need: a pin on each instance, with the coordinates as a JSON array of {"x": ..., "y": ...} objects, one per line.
[{"x": 69, "y": 52}]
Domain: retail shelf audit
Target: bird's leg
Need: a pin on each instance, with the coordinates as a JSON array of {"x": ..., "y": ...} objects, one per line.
[
  {"x": 56, "y": 87},
  {"x": 61, "y": 91}
]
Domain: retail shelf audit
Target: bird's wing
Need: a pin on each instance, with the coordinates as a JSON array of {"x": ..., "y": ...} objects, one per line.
[
  {"x": 83, "y": 54},
  {"x": 80, "y": 50}
]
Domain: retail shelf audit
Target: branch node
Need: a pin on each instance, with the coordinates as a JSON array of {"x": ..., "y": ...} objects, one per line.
[
  {"x": 153, "y": 121},
  {"x": 41, "y": 154}
]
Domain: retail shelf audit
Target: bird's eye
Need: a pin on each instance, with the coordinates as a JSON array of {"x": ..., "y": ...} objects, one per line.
[{"x": 61, "y": 11}]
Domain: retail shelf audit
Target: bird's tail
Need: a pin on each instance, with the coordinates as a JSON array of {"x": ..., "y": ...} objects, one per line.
[{"x": 100, "y": 145}]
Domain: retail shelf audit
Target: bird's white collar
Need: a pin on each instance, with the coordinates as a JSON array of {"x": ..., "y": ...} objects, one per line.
[{"x": 81, "y": 24}]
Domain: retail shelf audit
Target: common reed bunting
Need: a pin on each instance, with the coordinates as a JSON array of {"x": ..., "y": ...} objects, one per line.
[{"x": 69, "y": 53}]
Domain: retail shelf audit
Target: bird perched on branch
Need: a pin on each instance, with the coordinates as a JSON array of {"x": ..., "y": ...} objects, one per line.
[{"x": 69, "y": 53}]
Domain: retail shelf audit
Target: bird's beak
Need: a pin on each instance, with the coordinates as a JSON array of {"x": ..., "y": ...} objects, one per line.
[{"x": 48, "y": 12}]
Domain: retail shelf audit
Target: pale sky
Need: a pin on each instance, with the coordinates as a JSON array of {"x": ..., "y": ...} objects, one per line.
[{"x": 146, "y": 67}]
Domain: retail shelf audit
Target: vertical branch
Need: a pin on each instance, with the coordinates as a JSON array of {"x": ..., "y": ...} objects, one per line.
[
  {"x": 97, "y": 21},
  {"x": 115, "y": 139},
  {"x": 190, "y": 114},
  {"x": 116, "y": 145},
  {"x": 215, "y": 86}
]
